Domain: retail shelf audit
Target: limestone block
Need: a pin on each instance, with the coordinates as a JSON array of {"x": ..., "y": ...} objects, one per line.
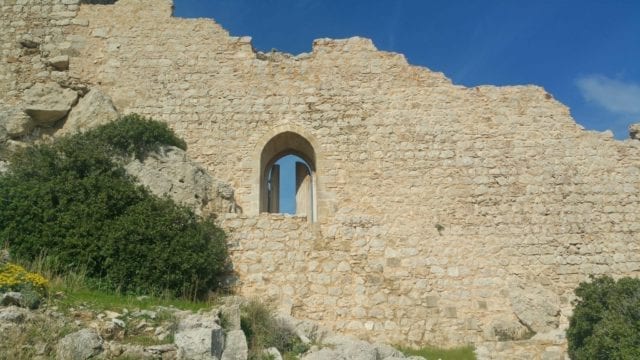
[
  {"x": 48, "y": 103},
  {"x": 236, "y": 346},
  {"x": 29, "y": 41},
  {"x": 16, "y": 123},
  {"x": 60, "y": 63},
  {"x": 93, "y": 109},
  {"x": 80, "y": 345}
]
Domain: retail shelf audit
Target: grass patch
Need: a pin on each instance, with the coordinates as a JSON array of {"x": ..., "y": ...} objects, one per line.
[
  {"x": 101, "y": 300},
  {"x": 432, "y": 352}
]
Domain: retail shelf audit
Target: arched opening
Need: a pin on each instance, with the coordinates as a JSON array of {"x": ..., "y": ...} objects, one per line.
[{"x": 288, "y": 176}]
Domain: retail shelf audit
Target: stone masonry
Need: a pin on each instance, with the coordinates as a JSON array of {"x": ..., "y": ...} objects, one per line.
[{"x": 444, "y": 214}]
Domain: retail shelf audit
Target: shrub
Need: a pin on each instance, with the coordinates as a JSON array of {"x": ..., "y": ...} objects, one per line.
[
  {"x": 263, "y": 330},
  {"x": 606, "y": 320},
  {"x": 74, "y": 202}
]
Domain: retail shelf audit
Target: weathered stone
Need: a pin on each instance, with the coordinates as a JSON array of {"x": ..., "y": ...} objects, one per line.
[
  {"x": 236, "y": 346},
  {"x": 507, "y": 330},
  {"x": 13, "y": 314},
  {"x": 80, "y": 345},
  {"x": 217, "y": 342},
  {"x": 231, "y": 315},
  {"x": 386, "y": 351},
  {"x": 48, "y": 103},
  {"x": 93, "y": 109},
  {"x": 11, "y": 299},
  {"x": 16, "y": 122},
  {"x": 194, "y": 337},
  {"x": 273, "y": 353},
  {"x": 29, "y": 41},
  {"x": 171, "y": 172},
  {"x": 60, "y": 63},
  {"x": 535, "y": 306},
  {"x": 194, "y": 344}
]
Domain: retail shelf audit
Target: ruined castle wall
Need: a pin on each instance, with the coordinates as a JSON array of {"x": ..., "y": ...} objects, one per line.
[
  {"x": 443, "y": 210},
  {"x": 33, "y": 32}
]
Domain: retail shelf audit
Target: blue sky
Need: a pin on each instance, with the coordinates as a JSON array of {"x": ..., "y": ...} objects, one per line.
[{"x": 586, "y": 53}]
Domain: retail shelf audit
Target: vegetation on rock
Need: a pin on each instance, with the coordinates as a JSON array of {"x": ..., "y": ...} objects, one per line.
[
  {"x": 72, "y": 202},
  {"x": 264, "y": 330},
  {"x": 606, "y": 320}
]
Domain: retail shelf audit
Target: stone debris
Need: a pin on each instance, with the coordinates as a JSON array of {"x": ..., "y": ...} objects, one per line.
[
  {"x": 48, "y": 103},
  {"x": 15, "y": 122}
]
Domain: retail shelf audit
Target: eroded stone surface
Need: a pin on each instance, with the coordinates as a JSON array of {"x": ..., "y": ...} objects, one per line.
[
  {"x": 80, "y": 345},
  {"x": 48, "y": 103},
  {"x": 171, "y": 172},
  {"x": 93, "y": 109}
]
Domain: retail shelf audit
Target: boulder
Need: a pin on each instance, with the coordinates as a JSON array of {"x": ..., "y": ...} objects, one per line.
[
  {"x": 15, "y": 122},
  {"x": 80, "y": 345},
  {"x": 195, "y": 336},
  {"x": 171, "y": 172},
  {"x": 344, "y": 348},
  {"x": 387, "y": 352},
  {"x": 13, "y": 314},
  {"x": 48, "y": 103},
  {"x": 634, "y": 131},
  {"x": 11, "y": 299},
  {"x": 273, "y": 353},
  {"x": 94, "y": 109},
  {"x": 236, "y": 346}
]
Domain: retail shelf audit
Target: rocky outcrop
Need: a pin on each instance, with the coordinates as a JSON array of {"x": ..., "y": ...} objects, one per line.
[
  {"x": 48, "y": 103},
  {"x": 171, "y": 172},
  {"x": 94, "y": 109}
]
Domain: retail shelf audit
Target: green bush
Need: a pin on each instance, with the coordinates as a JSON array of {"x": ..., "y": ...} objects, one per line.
[
  {"x": 606, "y": 320},
  {"x": 72, "y": 201},
  {"x": 263, "y": 330}
]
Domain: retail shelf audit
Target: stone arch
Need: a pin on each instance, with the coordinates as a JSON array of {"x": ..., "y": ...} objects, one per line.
[{"x": 289, "y": 142}]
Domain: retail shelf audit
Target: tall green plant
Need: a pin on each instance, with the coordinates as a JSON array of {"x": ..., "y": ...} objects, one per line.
[{"x": 74, "y": 202}]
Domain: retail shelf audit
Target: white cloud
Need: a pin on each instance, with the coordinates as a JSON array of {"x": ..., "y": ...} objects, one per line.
[{"x": 614, "y": 95}]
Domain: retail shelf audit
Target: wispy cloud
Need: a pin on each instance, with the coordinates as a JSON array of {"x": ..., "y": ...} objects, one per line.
[{"x": 614, "y": 95}]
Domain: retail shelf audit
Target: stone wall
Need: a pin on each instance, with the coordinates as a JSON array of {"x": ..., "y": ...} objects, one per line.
[{"x": 446, "y": 214}]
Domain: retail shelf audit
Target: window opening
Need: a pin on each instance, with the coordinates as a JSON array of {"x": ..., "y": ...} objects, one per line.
[
  {"x": 289, "y": 186},
  {"x": 288, "y": 176}
]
